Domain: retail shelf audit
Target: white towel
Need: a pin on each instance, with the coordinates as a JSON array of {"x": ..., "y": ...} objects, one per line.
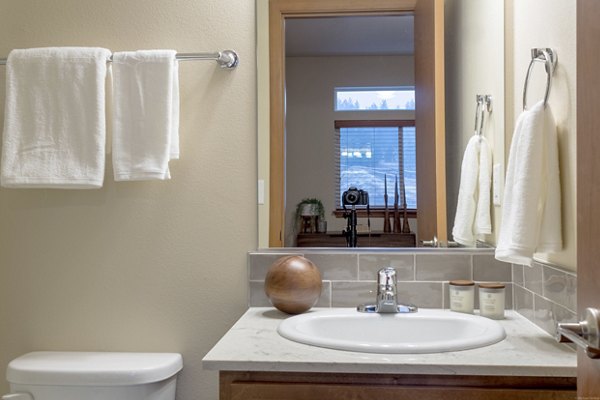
[
  {"x": 145, "y": 115},
  {"x": 473, "y": 206},
  {"x": 531, "y": 213},
  {"x": 54, "y": 121}
]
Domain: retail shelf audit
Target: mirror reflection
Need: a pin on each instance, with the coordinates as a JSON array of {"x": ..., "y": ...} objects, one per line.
[
  {"x": 350, "y": 121},
  {"x": 350, "y": 112}
]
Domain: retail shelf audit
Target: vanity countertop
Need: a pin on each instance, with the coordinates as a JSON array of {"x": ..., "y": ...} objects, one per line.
[{"x": 253, "y": 344}]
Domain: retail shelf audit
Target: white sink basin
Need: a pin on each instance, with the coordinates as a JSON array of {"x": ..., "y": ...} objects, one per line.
[{"x": 426, "y": 331}]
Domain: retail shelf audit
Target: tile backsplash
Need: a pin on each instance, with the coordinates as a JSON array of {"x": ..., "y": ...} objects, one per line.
[
  {"x": 349, "y": 276},
  {"x": 545, "y": 294}
]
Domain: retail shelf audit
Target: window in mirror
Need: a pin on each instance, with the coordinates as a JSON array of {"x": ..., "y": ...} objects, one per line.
[
  {"x": 368, "y": 152},
  {"x": 371, "y": 99}
]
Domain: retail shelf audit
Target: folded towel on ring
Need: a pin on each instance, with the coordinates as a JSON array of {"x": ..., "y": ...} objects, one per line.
[{"x": 531, "y": 210}]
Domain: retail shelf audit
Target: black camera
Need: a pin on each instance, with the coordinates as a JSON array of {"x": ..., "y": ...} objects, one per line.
[{"x": 355, "y": 197}]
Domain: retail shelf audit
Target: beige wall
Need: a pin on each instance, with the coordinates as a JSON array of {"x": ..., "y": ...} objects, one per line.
[
  {"x": 310, "y": 116},
  {"x": 474, "y": 51},
  {"x": 154, "y": 266},
  {"x": 262, "y": 118},
  {"x": 548, "y": 23}
]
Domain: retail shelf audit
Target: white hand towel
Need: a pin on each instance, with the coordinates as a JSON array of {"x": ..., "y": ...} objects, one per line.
[
  {"x": 54, "y": 121},
  {"x": 473, "y": 206},
  {"x": 531, "y": 213},
  {"x": 145, "y": 115}
]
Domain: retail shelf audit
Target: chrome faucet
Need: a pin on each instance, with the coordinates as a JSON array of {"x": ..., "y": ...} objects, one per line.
[{"x": 387, "y": 295}]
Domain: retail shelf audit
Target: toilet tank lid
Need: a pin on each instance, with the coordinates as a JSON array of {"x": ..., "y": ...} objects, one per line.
[{"x": 92, "y": 368}]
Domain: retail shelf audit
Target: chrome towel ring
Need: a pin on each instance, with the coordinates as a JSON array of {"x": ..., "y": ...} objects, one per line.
[{"x": 547, "y": 56}]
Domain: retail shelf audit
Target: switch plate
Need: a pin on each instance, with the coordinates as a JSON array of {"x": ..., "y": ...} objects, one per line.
[
  {"x": 261, "y": 191},
  {"x": 497, "y": 184}
]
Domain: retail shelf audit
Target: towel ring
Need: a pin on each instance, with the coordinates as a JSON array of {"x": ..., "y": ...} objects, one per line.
[{"x": 549, "y": 58}]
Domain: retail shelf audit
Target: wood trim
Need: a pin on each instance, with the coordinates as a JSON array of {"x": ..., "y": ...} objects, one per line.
[
  {"x": 430, "y": 117},
  {"x": 277, "y": 124},
  {"x": 588, "y": 182},
  {"x": 498, "y": 381},
  {"x": 359, "y": 123},
  {"x": 299, "y": 391},
  {"x": 377, "y": 212},
  {"x": 291, "y": 8},
  {"x": 429, "y": 73}
]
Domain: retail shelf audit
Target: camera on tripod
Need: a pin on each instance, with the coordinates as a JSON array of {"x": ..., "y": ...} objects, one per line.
[{"x": 355, "y": 197}]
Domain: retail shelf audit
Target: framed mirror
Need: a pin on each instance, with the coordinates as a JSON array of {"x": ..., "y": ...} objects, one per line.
[{"x": 429, "y": 18}]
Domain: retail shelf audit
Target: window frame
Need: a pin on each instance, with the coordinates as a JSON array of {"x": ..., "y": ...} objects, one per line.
[{"x": 379, "y": 211}]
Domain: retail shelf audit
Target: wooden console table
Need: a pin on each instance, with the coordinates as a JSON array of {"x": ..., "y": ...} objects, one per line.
[{"x": 374, "y": 239}]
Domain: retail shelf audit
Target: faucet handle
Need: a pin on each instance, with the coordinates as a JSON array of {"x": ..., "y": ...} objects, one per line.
[{"x": 387, "y": 277}]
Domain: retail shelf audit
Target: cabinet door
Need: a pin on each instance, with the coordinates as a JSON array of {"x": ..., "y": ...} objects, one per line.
[
  {"x": 306, "y": 391},
  {"x": 588, "y": 190}
]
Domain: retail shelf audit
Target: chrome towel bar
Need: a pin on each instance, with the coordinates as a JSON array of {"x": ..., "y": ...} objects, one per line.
[{"x": 226, "y": 58}]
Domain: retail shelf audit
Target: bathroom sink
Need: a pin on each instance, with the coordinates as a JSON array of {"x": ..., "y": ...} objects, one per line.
[{"x": 426, "y": 331}]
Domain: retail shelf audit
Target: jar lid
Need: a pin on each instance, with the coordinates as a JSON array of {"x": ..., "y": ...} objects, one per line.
[
  {"x": 462, "y": 282},
  {"x": 491, "y": 285}
]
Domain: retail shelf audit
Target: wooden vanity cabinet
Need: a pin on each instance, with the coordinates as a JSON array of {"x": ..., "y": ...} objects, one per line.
[{"x": 259, "y": 385}]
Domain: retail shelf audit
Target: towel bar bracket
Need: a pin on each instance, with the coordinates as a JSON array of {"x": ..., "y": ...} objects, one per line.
[
  {"x": 541, "y": 53},
  {"x": 484, "y": 103}
]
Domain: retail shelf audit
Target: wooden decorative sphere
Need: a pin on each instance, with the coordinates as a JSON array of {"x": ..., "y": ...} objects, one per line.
[{"x": 293, "y": 284}]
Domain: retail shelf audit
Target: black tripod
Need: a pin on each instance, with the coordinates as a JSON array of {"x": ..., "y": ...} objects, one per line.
[{"x": 350, "y": 232}]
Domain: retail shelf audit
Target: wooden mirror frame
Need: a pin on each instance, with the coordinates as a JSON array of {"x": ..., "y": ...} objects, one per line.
[{"x": 430, "y": 117}]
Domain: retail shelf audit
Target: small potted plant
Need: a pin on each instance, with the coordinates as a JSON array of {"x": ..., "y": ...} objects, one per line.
[{"x": 309, "y": 211}]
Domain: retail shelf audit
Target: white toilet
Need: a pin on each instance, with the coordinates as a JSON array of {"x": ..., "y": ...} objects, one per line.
[{"x": 45, "y": 375}]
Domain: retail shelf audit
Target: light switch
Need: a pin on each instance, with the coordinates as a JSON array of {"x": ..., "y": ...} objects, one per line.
[{"x": 261, "y": 191}]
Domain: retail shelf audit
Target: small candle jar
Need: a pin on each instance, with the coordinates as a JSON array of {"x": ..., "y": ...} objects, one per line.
[
  {"x": 462, "y": 296},
  {"x": 491, "y": 300}
]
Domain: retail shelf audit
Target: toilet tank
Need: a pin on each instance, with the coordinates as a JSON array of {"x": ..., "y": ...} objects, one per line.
[{"x": 46, "y": 375}]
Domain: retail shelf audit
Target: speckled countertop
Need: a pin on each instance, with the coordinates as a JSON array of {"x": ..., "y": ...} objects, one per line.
[{"x": 253, "y": 344}]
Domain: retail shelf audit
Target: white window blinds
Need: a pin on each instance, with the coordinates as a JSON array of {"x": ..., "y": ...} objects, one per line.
[{"x": 365, "y": 155}]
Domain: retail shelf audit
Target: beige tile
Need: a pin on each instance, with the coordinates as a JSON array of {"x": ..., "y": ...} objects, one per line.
[
  {"x": 487, "y": 268},
  {"x": 532, "y": 278},
  {"x": 443, "y": 267},
  {"x": 258, "y": 298},
  {"x": 517, "y": 274},
  {"x": 325, "y": 299},
  {"x": 548, "y": 314},
  {"x": 259, "y": 263},
  {"x": 351, "y": 294},
  {"x": 335, "y": 266},
  {"x": 421, "y": 294},
  {"x": 523, "y": 300},
  {"x": 369, "y": 264},
  {"x": 560, "y": 287}
]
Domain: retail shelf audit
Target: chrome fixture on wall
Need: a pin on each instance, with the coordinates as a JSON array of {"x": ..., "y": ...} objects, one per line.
[
  {"x": 547, "y": 56},
  {"x": 226, "y": 59}
]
